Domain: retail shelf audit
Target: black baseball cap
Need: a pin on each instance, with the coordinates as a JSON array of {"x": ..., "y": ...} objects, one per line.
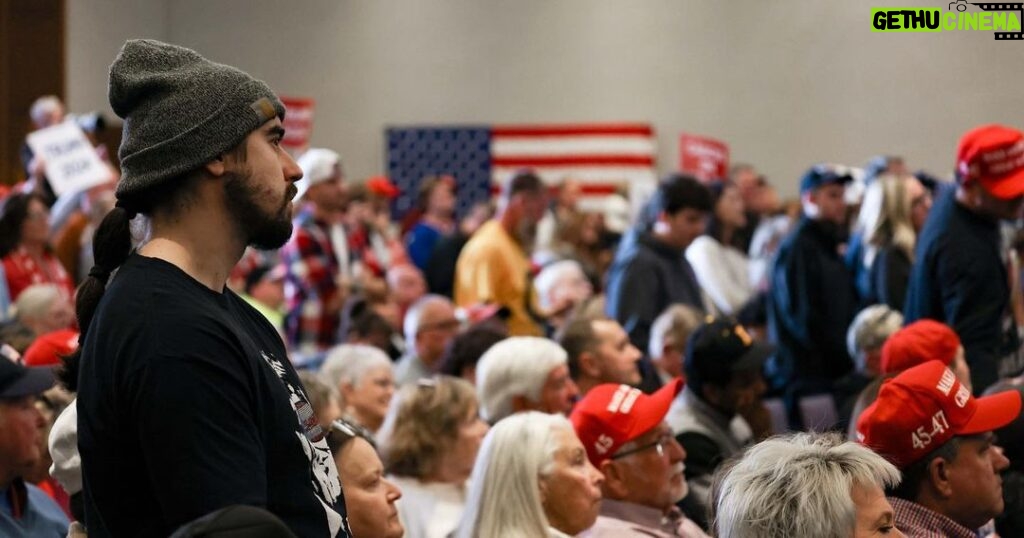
[
  {"x": 825, "y": 174},
  {"x": 718, "y": 349},
  {"x": 17, "y": 381}
]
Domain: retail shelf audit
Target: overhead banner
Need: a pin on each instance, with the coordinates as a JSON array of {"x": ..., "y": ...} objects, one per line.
[
  {"x": 704, "y": 157},
  {"x": 70, "y": 161}
]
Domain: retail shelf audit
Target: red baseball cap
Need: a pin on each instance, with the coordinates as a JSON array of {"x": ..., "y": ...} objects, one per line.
[
  {"x": 922, "y": 341},
  {"x": 993, "y": 155},
  {"x": 925, "y": 406},
  {"x": 50, "y": 347},
  {"x": 611, "y": 415},
  {"x": 382, "y": 186}
]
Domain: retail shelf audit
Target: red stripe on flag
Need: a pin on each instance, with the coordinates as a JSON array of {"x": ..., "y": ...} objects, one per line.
[
  {"x": 626, "y": 129},
  {"x": 592, "y": 189},
  {"x": 573, "y": 160}
]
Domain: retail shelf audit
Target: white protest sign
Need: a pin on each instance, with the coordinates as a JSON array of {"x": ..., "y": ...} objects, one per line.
[{"x": 71, "y": 162}]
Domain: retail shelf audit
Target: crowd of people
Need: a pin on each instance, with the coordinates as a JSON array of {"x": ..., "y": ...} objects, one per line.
[{"x": 223, "y": 326}]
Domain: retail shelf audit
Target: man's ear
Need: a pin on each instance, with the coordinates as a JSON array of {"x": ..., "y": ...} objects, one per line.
[
  {"x": 614, "y": 483},
  {"x": 938, "y": 475},
  {"x": 216, "y": 167},
  {"x": 589, "y": 365}
]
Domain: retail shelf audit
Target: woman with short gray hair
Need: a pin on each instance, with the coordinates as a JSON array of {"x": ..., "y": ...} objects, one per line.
[
  {"x": 806, "y": 485},
  {"x": 365, "y": 380}
]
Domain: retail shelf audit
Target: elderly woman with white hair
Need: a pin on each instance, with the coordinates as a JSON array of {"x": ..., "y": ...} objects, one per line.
[
  {"x": 44, "y": 308},
  {"x": 524, "y": 373},
  {"x": 365, "y": 379},
  {"x": 805, "y": 485},
  {"x": 532, "y": 479}
]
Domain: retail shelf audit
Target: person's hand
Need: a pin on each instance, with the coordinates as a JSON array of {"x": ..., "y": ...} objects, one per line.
[{"x": 37, "y": 167}]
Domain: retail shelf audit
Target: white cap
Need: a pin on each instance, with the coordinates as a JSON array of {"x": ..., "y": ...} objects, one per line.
[{"x": 317, "y": 166}]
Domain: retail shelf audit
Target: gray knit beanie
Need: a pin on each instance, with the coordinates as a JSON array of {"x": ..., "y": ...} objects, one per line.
[{"x": 180, "y": 111}]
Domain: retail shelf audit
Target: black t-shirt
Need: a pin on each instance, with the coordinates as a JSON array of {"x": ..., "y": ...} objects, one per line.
[{"x": 187, "y": 403}]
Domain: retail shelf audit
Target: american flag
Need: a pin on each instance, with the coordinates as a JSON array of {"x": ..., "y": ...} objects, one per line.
[{"x": 603, "y": 157}]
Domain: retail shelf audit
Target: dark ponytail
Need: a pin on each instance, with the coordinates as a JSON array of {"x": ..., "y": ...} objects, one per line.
[{"x": 110, "y": 247}]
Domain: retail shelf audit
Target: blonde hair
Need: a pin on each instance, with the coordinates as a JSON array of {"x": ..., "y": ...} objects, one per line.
[
  {"x": 423, "y": 422},
  {"x": 893, "y": 225}
]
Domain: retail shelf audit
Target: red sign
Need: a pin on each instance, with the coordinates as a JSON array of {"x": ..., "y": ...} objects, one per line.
[
  {"x": 298, "y": 123},
  {"x": 705, "y": 158}
]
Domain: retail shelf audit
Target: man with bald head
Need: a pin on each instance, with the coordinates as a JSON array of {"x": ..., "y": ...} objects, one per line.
[{"x": 429, "y": 326}]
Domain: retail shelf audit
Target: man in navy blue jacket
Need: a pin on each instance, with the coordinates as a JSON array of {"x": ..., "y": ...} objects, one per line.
[
  {"x": 812, "y": 299},
  {"x": 960, "y": 276}
]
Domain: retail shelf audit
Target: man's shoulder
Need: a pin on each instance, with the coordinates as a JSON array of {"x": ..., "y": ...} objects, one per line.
[{"x": 611, "y": 527}]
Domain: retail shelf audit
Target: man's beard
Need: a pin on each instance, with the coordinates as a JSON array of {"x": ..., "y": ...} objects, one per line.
[{"x": 263, "y": 231}]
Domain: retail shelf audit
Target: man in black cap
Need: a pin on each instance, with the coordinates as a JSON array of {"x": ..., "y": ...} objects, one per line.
[
  {"x": 812, "y": 299},
  {"x": 187, "y": 402},
  {"x": 24, "y": 509},
  {"x": 719, "y": 412}
]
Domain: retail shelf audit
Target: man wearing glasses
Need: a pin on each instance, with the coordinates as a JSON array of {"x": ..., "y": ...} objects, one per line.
[
  {"x": 430, "y": 324},
  {"x": 626, "y": 437}
]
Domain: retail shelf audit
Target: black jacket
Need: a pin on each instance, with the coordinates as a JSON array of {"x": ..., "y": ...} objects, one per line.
[
  {"x": 960, "y": 280},
  {"x": 646, "y": 277},
  {"x": 810, "y": 305}
]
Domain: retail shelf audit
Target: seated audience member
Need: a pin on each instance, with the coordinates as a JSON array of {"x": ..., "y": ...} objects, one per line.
[
  {"x": 25, "y": 249},
  {"x": 864, "y": 339},
  {"x": 532, "y": 479},
  {"x": 718, "y": 258},
  {"x": 24, "y": 509},
  {"x": 923, "y": 341},
  {"x": 363, "y": 376},
  {"x": 719, "y": 412},
  {"x": 429, "y": 442},
  {"x": 264, "y": 291},
  {"x": 369, "y": 496},
  {"x": 50, "y": 404},
  {"x": 627, "y": 439},
  {"x": 363, "y": 325},
  {"x": 436, "y": 202},
  {"x": 405, "y": 286},
  {"x": 927, "y": 423},
  {"x": 465, "y": 350},
  {"x": 806, "y": 485},
  {"x": 558, "y": 284},
  {"x": 48, "y": 349},
  {"x": 430, "y": 325},
  {"x": 669, "y": 334},
  {"x": 1011, "y": 438},
  {"x": 599, "y": 351},
  {"x": 322, "y": 396},
  {"x": 524, "y": 373},
  {"x": 44, "y": 308}
]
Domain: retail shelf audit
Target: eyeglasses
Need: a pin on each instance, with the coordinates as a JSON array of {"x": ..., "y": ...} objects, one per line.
[
  {"x": 663, "y": 440},
  {"x": 446, "y": 325}
]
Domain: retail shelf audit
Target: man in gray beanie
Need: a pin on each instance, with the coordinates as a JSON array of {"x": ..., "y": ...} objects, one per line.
[{"x": 187, "y": 401}]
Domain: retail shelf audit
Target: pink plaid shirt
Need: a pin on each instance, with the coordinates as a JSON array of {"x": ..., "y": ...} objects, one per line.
[{"x": 917, "y": 521}]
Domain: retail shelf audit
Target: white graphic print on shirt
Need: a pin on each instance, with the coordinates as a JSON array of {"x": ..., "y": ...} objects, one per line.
[{"x": 314, "y": 443}]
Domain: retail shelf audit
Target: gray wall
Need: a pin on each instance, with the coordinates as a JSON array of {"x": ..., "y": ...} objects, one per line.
[{"x": 786, "y": 83}]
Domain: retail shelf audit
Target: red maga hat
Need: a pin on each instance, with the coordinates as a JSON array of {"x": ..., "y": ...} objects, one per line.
[
  {"x": 924, "y": 407},
  {"x": 611, "y": 415},
  {"x": 993, "y": 155},
  {"x": 920, "y": 342}
]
